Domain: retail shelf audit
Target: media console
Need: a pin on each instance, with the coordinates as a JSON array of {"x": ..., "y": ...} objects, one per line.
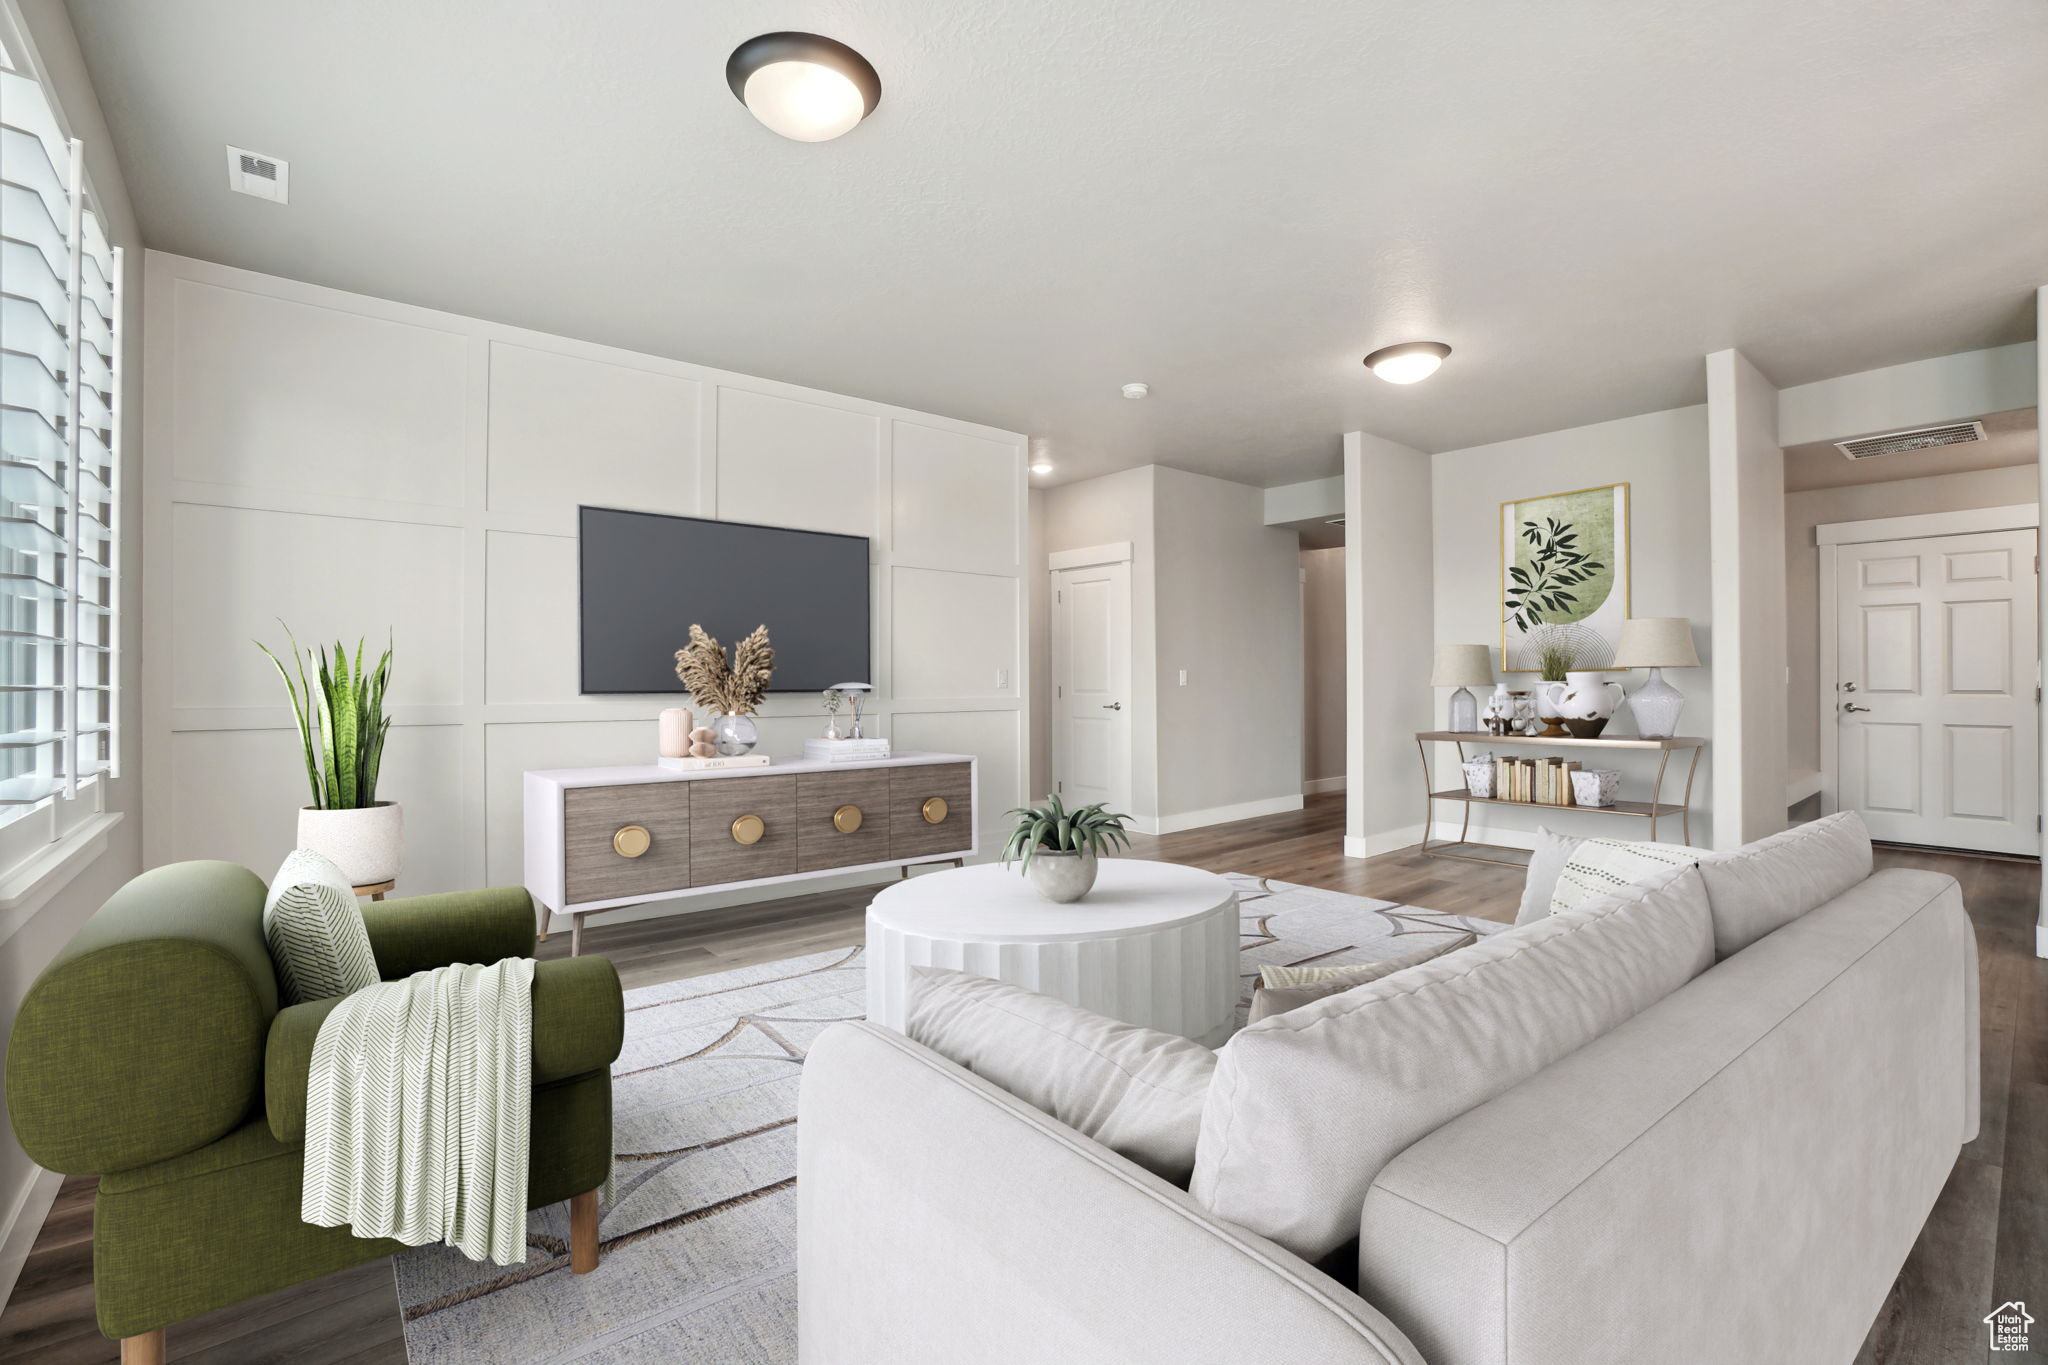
[{"x": 601, "y": 838}]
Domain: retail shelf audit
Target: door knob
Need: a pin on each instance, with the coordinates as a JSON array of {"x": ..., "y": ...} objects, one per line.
[
  {"x": 1852, "y": 706},
  {"x": 1848, "y": 687},
  {"x": 1112, "y": 706}
]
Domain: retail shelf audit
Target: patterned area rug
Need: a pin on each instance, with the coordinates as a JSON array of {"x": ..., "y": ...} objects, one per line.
[{"x": 700, "y": 1248}]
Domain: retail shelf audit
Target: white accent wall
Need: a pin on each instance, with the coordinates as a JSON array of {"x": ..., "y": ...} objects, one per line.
[
  {"x": 1662, "y": 456},
  {"x": 352, "y": 466}
]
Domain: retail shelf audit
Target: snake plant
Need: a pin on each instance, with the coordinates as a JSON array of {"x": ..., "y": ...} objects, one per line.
[
  {"x": 347, "y": 709},
  {"x": 1052, "y": 827}
]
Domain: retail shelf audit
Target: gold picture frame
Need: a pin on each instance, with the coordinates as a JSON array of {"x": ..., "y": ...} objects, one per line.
[{"x": 1544, "y": 578}]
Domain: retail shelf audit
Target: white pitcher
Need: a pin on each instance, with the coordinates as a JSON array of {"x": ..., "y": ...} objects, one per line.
[{"x": 1583, "y": 696}]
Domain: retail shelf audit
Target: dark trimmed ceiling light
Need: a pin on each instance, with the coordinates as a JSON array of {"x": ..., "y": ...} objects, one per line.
[
  {"x": 1409, "y": 362},
  {"x": 807, "y": 88}
]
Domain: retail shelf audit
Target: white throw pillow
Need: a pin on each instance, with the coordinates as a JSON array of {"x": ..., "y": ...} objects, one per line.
[
  {"x": 1307, "y": 1106},
  {"x": 1136, "y": 1091},
  {"x": 1545, "y": 862},
  {"x": 1281, "y": 989},
  {"x": 1762, "y": 887},
  {"x": 314, "y": 926},
  {"x": 1600, "y": 867}
]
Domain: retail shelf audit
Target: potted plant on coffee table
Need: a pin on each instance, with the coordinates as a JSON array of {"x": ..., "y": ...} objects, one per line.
[
  {"x": 342, "y": 725},
  {"x": 1059, "y": 847}
]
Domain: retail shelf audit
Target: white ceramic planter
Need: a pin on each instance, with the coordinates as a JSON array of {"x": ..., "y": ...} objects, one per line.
[
  {"x": 1061, "y": 877},
  {"x": 366, "y": 844}
]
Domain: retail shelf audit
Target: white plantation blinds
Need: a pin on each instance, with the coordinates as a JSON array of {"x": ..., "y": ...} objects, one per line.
[{"x": 60, "y": 287}]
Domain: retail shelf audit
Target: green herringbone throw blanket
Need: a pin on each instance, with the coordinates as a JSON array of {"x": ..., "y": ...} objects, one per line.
[{"x": 417, "y": 1111}]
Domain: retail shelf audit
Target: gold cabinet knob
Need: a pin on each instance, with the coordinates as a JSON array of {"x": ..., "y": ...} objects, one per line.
[
  {"x": 748, "y": 829},
  {"x": 631, "y": 841},
  {"x": 934, "y": 810},
  {"x": 846, "y": 819}
]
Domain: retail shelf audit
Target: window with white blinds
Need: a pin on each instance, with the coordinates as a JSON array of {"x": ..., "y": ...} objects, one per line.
[{"x": 60, "y": 291}]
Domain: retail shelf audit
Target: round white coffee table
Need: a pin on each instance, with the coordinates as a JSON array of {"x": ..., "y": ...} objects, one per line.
[{"x": 1153, "y": 943}]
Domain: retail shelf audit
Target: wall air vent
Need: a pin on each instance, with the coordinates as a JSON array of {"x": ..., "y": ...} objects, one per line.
[
  {"x": 265, "y": 177},
  {"x": 1919, "y": 438}
]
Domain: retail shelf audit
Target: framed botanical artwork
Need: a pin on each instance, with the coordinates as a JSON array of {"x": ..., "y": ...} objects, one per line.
[{"x": 1564, "y": 573}]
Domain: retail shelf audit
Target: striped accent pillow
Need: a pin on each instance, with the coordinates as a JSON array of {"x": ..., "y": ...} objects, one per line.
[
  {"x": 1599, "y": 867},
  {"x": 314, "y": 926}
]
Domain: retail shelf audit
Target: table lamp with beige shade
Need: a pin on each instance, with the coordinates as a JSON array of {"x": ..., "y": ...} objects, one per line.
[
  {"x": 1463, "y": 666},
  {"x": 1656, "y": 643}
]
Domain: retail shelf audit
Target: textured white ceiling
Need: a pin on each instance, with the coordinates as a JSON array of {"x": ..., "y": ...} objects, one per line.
[{"x": 1231, "y": 201}]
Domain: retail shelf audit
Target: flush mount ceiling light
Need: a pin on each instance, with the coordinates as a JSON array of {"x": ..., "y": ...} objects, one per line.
[
  {"x": 807, "y": 88},
  {"x": 1408, "y": 362},
  {"x": 1042, "y": 467},
  {"x": 1137, "y": 390}
]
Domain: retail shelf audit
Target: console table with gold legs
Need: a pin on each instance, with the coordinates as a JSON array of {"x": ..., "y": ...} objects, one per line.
[{"x": 1653, "y": 810}]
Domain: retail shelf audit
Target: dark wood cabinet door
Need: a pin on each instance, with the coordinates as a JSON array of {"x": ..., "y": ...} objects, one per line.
[
  {"x": 826, "y": 803},
  {"x": 918, "y": 824},
  {"x": 719, "y": 811},
  {"x": 596, "y": 868}
]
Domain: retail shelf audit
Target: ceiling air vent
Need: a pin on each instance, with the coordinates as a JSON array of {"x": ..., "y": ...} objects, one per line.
[
  {"x": 1919, "y": 438},
  {"x": 266, "y": 177}
]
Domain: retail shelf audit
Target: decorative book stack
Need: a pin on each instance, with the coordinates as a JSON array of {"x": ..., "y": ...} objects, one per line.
[
  {"x": 1539, "y": 781},
  {"x": 845, "y": 750}
]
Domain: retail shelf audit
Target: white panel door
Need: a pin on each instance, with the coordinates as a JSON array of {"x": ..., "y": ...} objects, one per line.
[
  {"x": 1936, "y": 703},
  {"x": 1091, "y": 676}
]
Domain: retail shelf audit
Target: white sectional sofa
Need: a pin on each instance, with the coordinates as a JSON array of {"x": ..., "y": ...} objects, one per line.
[{"x": 1732, "y": 1176}]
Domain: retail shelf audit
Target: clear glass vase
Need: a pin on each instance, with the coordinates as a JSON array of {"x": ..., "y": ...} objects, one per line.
[{"x": 734, "y": 735}]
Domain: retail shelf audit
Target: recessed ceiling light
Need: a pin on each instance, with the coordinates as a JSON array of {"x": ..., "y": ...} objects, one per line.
[
  {"x": 1042, "y": 467},
  {"x": 807, "y": 88},
  {"x": 1136, "y": 390},
  {"x": 1408, "y": 362}
]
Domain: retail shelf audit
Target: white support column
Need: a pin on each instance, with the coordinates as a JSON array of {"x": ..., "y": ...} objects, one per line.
[
  {"x": 1389, "y": 632},
  {"x": 1746, "y": 499},
  {"x": 2041, "y": 473}
]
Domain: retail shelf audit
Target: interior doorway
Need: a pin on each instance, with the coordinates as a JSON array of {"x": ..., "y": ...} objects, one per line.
[
  {"x": 1931, "y": 677},
  {"x": 1091, "y": 679}
]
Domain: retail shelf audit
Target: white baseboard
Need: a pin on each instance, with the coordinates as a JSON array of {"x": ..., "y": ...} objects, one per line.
[
  {"x": 1223, "y": 815},
  {"x": 1316, "y": 786},
  {"x": 24, "y": 1221},
  {"x": 1386, "y": 841},
  {"x": 2041, "y": 940}
]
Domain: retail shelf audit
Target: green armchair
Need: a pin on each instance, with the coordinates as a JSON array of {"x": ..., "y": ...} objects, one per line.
[{"x": 153, "y": 1054}]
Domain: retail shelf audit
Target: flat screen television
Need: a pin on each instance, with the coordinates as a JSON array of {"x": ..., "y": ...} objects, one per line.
[{"x": 645, "y": 578}]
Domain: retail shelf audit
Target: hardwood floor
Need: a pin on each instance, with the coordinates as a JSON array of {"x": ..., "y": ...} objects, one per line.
[{"x": 1986, "y": 1241}]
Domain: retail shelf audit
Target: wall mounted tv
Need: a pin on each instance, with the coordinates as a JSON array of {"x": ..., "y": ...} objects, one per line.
[{"x": 647, "y": 577}]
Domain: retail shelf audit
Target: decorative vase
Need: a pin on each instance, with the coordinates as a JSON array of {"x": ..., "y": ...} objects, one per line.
[
  {"x": 1656, "y": 705},
  {"x": 1478, "y": 777},
  {"x": 735, "y": 735},
  {"x": 1595, "y": 786},
  {"x": 1061, "y": 875},
  {"x": 675, "y": 724},
  {"x": 367, "y": 843},
  {"x": 1585, "y": 695}
]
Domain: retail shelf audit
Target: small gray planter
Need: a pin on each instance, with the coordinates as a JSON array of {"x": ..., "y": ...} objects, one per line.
[{"x": 1061, "y": 876}]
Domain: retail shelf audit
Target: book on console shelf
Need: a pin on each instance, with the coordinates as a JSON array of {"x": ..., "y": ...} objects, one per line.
[
  {"x": 845, "y": 750},
  {"x": 1537, "y": 781},
  {"x": 699, "y": 765}
]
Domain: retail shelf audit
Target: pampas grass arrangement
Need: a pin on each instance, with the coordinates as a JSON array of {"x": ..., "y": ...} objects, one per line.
[{"x": 735, "y": 689}]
